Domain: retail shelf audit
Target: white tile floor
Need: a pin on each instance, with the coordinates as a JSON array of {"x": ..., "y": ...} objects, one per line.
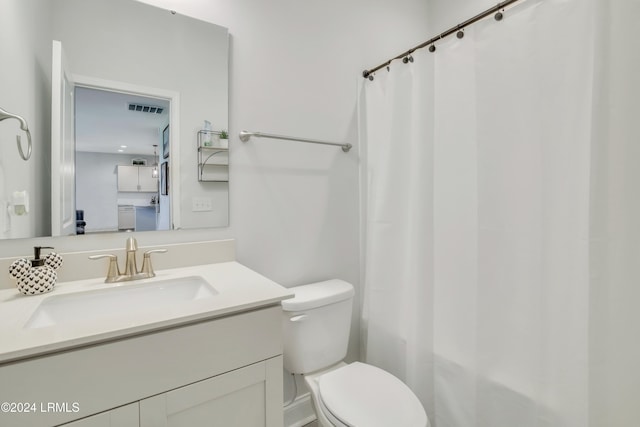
[{"x": 313, "y": 424}]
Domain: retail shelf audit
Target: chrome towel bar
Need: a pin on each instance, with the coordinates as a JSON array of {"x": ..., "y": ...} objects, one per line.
[{"x": 245, "y": 136}]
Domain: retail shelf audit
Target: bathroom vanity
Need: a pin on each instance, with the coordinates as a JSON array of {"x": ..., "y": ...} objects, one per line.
[{"x": 205, "y": 349}]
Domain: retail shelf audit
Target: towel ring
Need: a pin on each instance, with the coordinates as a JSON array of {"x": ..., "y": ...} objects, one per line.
[
  {"x": 23, "y": 125},
  {"x": 29, "y": 146}
]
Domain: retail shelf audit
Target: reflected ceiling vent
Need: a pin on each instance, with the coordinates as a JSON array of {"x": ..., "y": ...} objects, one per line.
[{"x": 153, "y": 109}]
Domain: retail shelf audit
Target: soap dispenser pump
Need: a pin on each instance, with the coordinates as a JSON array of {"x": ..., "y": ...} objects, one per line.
[{"x": 38, "y": 275}]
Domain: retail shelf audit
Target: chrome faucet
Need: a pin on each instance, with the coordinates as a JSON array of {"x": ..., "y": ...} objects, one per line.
[{"x": 131, "y": 267}]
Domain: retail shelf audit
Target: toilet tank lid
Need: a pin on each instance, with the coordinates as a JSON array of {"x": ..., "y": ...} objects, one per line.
[{"x": 318, "y": 294}]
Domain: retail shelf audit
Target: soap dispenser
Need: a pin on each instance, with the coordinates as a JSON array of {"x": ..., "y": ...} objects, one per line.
[{"x": 38, "y": 275}]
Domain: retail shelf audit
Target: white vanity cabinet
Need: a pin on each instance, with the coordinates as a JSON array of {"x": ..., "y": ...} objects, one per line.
[
  {"x": 225, "y": 371},
  {"x": 125, "y": 416},
  {"x": 240, "y": 398},
  {"x": 137, "y": 179}
]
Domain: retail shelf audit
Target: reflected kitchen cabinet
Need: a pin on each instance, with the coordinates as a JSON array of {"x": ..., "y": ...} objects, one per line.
[{"x": 137, "y": 178}]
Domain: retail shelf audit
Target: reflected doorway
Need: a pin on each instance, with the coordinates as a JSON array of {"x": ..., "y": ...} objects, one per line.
[{"x": 119, "y": 161}]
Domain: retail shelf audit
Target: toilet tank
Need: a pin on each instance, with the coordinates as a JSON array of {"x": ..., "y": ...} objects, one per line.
[{"x": 316, "y": 324}]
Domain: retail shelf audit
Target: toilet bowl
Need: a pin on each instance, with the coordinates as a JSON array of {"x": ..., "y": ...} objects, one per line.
[
  {"x": 359, "y": 394},
  {"x": 316, "y": 325}
]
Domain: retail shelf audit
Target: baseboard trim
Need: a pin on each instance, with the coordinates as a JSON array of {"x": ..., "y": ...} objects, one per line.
[{"x": 300, "y": 412}]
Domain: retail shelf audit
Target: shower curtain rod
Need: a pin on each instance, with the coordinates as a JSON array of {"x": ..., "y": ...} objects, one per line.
[{"x": 498, "y": 17}]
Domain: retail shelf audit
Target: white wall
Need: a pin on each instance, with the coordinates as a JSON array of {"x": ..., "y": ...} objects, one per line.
[
  {"x": 445, "y": 14},
  {"x": 24, "y": 88}
]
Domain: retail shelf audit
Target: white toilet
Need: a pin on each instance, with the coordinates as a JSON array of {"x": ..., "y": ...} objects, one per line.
[{"x": 316, "y": 334}]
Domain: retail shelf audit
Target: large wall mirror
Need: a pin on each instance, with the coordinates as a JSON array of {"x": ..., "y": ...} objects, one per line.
[{"x": 115, "y": 93}]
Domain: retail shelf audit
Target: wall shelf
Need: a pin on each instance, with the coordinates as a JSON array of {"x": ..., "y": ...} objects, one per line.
[{"x": 213, "y": 157}]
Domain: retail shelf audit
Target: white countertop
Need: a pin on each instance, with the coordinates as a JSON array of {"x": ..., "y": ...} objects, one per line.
[{"x": 240, "y": 289}]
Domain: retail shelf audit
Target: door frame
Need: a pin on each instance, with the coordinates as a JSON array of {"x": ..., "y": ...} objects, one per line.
[
  {"x": 174, "y": 129},
  {"x": 63, "y": 215}
]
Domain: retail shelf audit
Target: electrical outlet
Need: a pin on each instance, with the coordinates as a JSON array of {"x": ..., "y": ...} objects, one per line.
[{"x": 201, "y": 204}]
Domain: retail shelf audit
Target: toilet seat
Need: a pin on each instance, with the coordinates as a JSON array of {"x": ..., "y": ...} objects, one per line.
[
  {"x": 329, "y": 416},
  {"x": 361, "y": 395}
]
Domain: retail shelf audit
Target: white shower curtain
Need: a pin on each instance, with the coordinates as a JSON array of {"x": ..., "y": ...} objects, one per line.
[{"x": 477, "y": 211}]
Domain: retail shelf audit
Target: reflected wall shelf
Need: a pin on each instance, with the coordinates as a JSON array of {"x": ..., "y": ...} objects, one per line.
[{"x": 213, "y": 157}]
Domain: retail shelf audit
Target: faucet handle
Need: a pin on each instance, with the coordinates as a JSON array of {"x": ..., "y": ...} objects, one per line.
[
  {"x": 113, "y": 272},
  {"x": 147, "y": 268}
]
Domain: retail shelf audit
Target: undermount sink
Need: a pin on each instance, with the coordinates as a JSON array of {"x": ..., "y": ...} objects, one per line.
[{"x": 82, "y": 307}]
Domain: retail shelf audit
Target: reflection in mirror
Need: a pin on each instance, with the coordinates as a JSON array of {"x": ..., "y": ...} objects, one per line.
[
  {"x": 118, "y": 156},
  {"x": 135, "y": 46}
]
